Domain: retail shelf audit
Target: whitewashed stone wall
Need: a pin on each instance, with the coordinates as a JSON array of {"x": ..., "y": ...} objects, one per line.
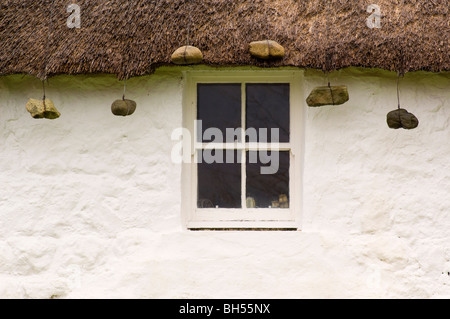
[{"x": 90, "y": 202}]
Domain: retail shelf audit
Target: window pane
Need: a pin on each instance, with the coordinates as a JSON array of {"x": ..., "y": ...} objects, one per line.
[
  {"x": 219, "y": 183},
  {"x": 267, "y": 179},
  {"x": 218, "y": 106},
  {"x": 268, "y": 107}
]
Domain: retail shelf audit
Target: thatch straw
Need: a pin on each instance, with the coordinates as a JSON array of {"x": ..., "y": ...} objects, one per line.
[{"x": 130, "y": 38}]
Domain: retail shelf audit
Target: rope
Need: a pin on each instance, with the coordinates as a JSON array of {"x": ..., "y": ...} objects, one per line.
[
  {"x": 47, "y": 51},
  {"x": 327, "y": 53},
  {"x": 188, "y": 32},
  {"x": 47, "y": 43},
  {"x": 398, "y": 90},
  {"x": 327, "y": 30},
  {"x": 124, "y": 88},
  {"x": 398, "y": 97},
  {"x": 188, "y": 39},
  {"x": 401, "y": 67},
  {"x": 43, "y": 98},
  {"x": 123, "y": 96},
  {"x": 331, "y": 92},
  {"x": 267, "y": 21}
]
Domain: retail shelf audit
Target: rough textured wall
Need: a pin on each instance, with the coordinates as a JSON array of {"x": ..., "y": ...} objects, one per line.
[
  {"x": 90, "y": 203},
  {"x": 383, "y": 194}
]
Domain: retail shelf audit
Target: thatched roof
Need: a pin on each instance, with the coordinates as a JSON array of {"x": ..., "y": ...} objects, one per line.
[{"x": 130, "y": 38}]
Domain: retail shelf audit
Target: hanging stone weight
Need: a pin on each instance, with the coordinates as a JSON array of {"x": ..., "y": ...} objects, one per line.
[
  {"x": 328, "y": 95},
  {"x": 266, "y": 49},
  {"x": 187, "y": 55},
  {"x": 123, "y": 107},
  {"x": 39, "y": 111},
  {"x": 401, "y": 118}
]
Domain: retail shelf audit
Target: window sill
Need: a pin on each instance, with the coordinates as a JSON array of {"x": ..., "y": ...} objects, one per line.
[{"x": 244, "y": 225}]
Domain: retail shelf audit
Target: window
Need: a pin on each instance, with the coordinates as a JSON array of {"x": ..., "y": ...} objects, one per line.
[{"x": 246, "y": 132}]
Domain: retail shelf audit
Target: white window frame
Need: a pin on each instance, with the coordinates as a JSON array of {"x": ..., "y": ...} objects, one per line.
[{"x": 244, "y": 218}]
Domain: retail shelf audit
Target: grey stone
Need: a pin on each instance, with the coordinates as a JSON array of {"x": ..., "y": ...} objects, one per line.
[
  {"x": 38, "y": 110},
  {"x": 266, "y": 49},
  {"x": 187, "y": 55},
  {"x": 328, "y": 95},
  {"x": 401, "y": 118},
  {"x": 123, "y": 107}
]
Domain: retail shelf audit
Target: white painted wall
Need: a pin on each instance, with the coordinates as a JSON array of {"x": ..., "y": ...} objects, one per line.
[{"x": 90, "y": 202}]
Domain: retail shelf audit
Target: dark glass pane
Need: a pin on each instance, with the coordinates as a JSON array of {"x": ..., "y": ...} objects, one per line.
[
  {"x": 218, "y": 106},
  {"x": 268, "y": 179},
  {"x": 219, "y": 183},
  {"x": 268, "y": 107}
]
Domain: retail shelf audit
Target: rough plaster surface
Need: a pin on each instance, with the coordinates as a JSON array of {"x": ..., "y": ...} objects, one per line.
[{"x": 90, "y": 202}]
